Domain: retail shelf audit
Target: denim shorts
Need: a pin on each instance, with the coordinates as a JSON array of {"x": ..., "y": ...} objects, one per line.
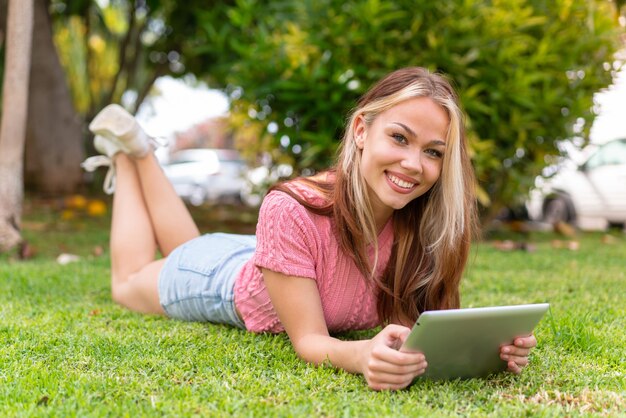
[{"x": 197, "y": 280}]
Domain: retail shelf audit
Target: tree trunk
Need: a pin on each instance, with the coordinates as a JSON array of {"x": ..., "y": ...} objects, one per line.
[
  {"x": 13, "y": 122},
  {"x": 54, "y": 147}
]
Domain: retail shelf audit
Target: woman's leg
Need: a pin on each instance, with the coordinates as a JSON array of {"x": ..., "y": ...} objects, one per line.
[
  {"x": 147, "y": 215},
  {"x": 134, "y": 271},
  {"x": 171, "y": 221}
]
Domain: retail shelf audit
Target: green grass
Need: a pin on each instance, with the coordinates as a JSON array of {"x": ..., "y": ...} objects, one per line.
[{"x": 67, "y": 350}]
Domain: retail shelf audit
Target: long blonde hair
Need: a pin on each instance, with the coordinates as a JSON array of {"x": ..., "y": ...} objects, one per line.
[{"x": 432, "y": 234}]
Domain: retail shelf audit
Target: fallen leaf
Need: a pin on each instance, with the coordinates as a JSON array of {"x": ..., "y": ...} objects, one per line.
[
  {"x": 96, "y": 208},
  {"x": 75, "y": 202}
]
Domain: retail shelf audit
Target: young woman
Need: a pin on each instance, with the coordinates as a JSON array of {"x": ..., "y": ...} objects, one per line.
[{"x": 377, "y": 239}]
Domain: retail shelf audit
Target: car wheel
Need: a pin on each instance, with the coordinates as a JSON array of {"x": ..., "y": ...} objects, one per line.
[{"x": 557, "y": 210}]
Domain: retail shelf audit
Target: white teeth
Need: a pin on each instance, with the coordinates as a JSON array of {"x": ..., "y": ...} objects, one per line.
[{"x": 399, "y": 182}]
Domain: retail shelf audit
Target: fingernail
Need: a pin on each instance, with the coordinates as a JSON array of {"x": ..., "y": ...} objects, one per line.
[{"x": 506, "y": 350}]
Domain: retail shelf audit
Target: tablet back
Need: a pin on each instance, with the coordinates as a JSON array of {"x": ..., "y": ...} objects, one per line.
[{"x": 466, "y": 342}]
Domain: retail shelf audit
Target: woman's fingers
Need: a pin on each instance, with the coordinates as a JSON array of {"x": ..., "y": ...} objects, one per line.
[
  {"x": 396, "y": 379},
  {"x": 384, "y": 367},
  {"x": 525, "y": 342},
  {"x": 394, "y": 335},
  {"x": 514, "y": 367},
  {"x": 393, "y": 356},
  {"x": 515, "y": 351},
  {"x": 521, "y": 346},
  {"x": 390, "y": 369},
  {"x": 519, "y": 360},
  {"x": 516, "y": 354}
]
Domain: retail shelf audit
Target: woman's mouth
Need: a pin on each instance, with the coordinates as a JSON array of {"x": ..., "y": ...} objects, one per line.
[{"x": 401, "y": 185}]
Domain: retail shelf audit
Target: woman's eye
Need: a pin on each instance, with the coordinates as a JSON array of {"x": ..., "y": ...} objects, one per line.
[
  {"x": 399, "y": 138},
  {"x": 434, "y": 153}
]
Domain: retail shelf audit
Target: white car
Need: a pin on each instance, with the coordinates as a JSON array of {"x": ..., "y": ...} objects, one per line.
[
  {"x": 590, "y": 196},
  {"x": 207, "y": 175}
]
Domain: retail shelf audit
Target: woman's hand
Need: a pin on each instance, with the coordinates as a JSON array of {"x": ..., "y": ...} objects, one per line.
[
  {"x": 516, "y": 354},
  {"x": 384, "y": 366},
  {"x": 299, "y": 307}
]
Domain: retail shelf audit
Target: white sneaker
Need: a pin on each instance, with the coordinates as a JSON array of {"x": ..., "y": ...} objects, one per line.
[
  {"x": 119, "y": 127},
  {"x": 115, "y": 131},
  {"x": 108, "y": 149}
]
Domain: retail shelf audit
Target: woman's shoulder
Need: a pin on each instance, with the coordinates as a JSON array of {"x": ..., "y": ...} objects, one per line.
[
  {"x": 295, "y": 212},
  {"x": 310, "y": 191}
]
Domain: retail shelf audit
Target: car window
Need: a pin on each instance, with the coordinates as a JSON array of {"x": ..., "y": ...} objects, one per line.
[{"x": 612, "y": 153}]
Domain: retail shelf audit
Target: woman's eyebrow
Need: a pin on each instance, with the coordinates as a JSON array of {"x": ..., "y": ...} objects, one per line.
[
  {"x": 413, "y": 134},
  {"x": 437, "y": 142},
  {"x": 406, "y": 128}
]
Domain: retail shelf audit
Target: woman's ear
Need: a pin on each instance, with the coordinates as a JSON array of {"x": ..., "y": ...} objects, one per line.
[{"x": 360, "y": 131}]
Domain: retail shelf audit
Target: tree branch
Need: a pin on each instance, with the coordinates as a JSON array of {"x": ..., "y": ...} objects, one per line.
[
  {"x": 123, "y": 52},
  {"x": 161, "y": 69}
]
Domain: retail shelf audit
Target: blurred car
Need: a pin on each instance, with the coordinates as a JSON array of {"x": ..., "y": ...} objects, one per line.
[
  {"x": 204, "y": 175},
  {"x": 591, "y": 195},
  {"x": 260, "y": 179}
]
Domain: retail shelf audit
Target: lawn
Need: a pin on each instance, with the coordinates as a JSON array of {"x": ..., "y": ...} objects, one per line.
[{"x": 67, "y": 350}]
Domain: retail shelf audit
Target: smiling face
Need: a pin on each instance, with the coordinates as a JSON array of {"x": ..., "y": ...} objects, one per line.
[{"x": 401, "y": 153}]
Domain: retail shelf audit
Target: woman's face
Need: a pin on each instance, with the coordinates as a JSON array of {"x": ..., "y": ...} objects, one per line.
[{"x": 402, "y": 153}]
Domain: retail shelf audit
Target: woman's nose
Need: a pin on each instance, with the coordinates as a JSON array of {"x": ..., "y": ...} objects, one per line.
[{"x": 412, "y": 161}]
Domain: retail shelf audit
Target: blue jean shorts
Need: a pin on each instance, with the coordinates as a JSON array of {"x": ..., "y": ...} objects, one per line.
[{"x": 197, "y": 280}]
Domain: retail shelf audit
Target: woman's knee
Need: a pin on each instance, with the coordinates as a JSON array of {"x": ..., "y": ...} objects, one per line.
[
  {"x": 139, "y": 292},
  {"x": 119, "y": 293}
]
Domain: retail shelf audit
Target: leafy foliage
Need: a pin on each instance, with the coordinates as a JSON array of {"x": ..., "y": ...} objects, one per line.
[
  {"x": 121, "y": 47},
  {"x": 526, "y": 72}
]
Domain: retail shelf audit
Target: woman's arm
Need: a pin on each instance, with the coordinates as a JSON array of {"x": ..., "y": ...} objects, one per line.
[{"x": 298, "y": 305}]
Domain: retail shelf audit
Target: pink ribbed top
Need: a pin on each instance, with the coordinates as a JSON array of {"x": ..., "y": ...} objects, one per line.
[{"x": 293, "y": 241}]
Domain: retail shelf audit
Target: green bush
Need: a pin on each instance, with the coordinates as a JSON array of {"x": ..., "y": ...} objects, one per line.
[{"x": 526, "y": 72}]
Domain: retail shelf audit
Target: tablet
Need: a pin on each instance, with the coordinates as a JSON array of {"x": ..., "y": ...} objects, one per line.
[{"x": 465, "y": 343}]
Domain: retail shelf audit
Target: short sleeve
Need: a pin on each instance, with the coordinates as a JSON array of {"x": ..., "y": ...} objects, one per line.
[{"x": 286, "y": 237}]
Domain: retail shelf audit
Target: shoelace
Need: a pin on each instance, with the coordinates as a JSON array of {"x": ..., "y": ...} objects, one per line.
[
  {"x": 159, "y": 141},
  {"x": 92, "y": 163}
]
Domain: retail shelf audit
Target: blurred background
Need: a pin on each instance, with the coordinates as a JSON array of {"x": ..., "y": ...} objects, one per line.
[{"x": 250, "y": 92}]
